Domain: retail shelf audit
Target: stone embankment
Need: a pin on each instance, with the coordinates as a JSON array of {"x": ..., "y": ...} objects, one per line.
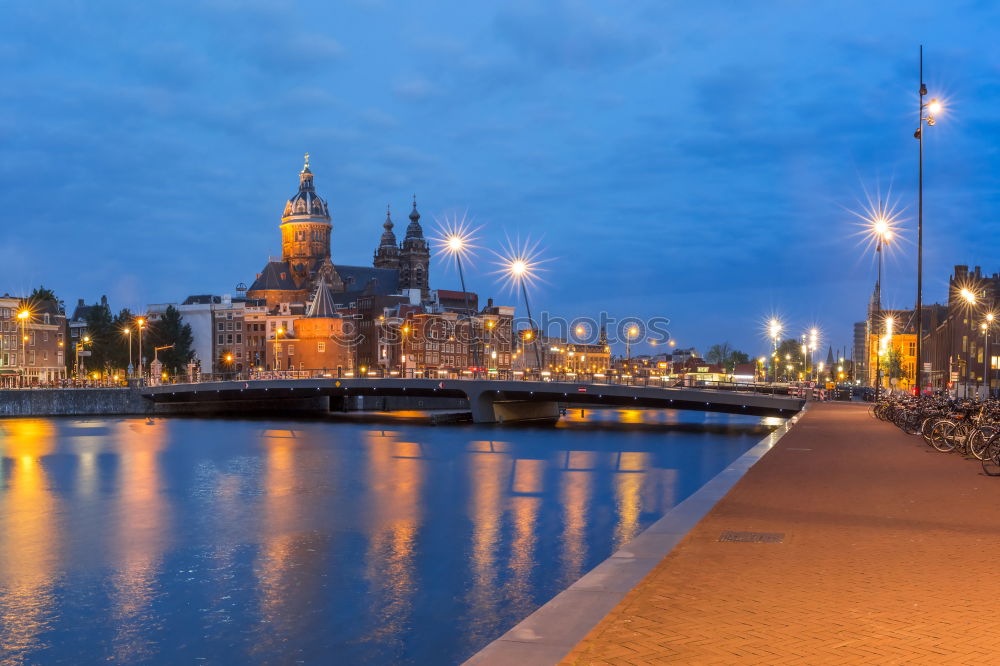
[
  {"x": 73, "y": 402},
  {"x": 128, "y": 402}
]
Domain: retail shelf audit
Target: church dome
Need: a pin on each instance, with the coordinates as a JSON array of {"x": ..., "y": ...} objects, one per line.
[{"x": 305, "y": 202}]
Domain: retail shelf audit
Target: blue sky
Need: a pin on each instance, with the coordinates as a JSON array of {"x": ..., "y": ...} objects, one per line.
[{"x": 696, "y": 161}]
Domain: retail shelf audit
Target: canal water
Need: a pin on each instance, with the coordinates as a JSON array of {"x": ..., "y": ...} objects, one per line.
[{"x": 200, "y": 541}]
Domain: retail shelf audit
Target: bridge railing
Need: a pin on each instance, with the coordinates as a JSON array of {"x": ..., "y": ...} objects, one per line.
[{"x": 577, "y": 378}]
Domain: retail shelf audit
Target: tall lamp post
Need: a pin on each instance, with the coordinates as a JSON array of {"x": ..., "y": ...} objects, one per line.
[
  {"x": 140, "y": 324},
  {"x": 925, "y": 114},
  {"x": 23, "y": 317},
  {"x": 631, "y": 333},
  {"x": 774, "y": 328},
  {"x": 883, "y": 234},
  {"x": 128, "y": 336},
  {"x": 458, "y": 242}
]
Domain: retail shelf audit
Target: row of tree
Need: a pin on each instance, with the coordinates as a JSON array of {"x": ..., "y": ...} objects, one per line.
[{"x": 109, "y": 343}]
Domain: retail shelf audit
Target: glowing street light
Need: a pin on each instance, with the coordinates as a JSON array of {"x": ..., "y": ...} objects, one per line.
[
  {"x": 457, "y": 240},
  {"x": 932, "y": 108},
  {"x": 520, "y": 265},
  {"x": 24, "y": 315},
  {"x": 140, "y": 323},
  {"x": 128, "y": 333},
  {"x": 631, "y": 333}
]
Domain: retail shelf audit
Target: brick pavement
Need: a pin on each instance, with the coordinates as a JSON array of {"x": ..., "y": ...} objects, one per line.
[{"x": 888, "y": 557}]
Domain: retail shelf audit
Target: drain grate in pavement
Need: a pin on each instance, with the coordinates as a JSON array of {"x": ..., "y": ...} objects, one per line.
[{"x": 753, "y": 537}]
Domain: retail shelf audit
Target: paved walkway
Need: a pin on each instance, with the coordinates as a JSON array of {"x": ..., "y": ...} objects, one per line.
[{"x": 888, "y": 556}]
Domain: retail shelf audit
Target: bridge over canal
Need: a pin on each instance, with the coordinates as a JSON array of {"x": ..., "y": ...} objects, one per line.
[{"x": 490, "y": 401}]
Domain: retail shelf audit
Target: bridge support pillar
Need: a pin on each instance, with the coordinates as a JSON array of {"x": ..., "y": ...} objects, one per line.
[{"x": 488, "y": 408}]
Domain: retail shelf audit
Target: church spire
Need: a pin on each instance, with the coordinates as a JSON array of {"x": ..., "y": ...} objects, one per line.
[
  {"x": 413, "y": 229},
  {"x": 306, "y": 177},
  {"x": 388, "y": 237}
]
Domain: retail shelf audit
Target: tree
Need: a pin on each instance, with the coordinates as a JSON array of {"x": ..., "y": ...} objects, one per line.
[
  {"x": 718, "y": 353},
  {"x": 103, "y": 338},
  {"x": 40, "y": 294},
  {"x": 724, "y": 355},
  {"x": 789, "y": 354},
  {"x": 738, "y": 357},
  {"x": 170, "y": 329}
]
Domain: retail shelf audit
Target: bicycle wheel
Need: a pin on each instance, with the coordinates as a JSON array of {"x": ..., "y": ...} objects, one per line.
[
  {"x": 991, "y": 458},
  {"x": 959, "y": 436},
  {"x": 940, "y": 436},
  {"x": 978, "y": 440}
]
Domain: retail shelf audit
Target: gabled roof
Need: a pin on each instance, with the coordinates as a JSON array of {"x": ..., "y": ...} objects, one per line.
[
  {"x": 368, "y": 280},
  {"x": 322, "y": 304},
  {"x": 271, "y": 278}
]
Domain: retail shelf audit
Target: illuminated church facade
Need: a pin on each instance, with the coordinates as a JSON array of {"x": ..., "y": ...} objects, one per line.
[{"x": 306, "y": 264}]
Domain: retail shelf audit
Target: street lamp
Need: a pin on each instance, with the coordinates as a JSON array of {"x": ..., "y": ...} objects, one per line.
[
  {"x": 931, "y": 108},
  {"x": 23, "y": 316},
  {"x": 128, "y": 333},
  {"x": 774, "y": 329},
  {"x": 631, "y": 333},
  {"x": 457, "y": 240},
  {"x": 277, "y": 334},
  {"x": 882, "y": 230},
  {"x": 77, "y": 349},
  {"x": 140, "y": 324}
]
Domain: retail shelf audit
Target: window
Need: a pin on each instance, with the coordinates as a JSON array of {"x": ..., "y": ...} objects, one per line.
[
  {"x": 239, "y": 338},
  {"x": 229, "y": 326},
  {"x": 220, "y": 340},
  {"x": 45, "y": 335},
  {"x": 229, "y": 338},
  {"x": 222, "y": 326},
  {"x": 45, "y": 355},
  {"x": 32, "y": 357},
  {"x": 291, "y": 350},
  {"x": 239, "y": 326},
  {"x": 321, "y": 347}
]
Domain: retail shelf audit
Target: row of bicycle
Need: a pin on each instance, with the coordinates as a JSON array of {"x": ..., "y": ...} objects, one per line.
[{"x": 969, "y": 427}]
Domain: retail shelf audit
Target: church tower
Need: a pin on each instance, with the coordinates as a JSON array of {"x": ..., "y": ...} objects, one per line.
[
  {"x": 387, "y": 254},
  {"x": 415, "y": 256},
  {"x": 305, "y": 229}
]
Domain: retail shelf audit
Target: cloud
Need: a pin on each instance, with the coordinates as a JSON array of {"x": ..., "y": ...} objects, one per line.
[{"x": 569, "y": 34}]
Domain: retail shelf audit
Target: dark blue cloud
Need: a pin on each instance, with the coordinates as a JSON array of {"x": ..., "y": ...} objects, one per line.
[{"x": 688, "y": 160}]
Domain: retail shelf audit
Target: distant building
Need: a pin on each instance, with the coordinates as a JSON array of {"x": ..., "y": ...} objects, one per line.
[
  {"x": 955, "y": 338},
  {"x": 32, "y": 350}
]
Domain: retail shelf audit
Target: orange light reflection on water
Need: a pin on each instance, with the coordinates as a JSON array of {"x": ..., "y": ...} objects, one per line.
[
  {"x": 142, "y": 532},
  {"x": 31, "y": 529}
]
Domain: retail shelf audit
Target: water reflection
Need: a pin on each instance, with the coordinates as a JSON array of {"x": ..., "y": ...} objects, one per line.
[
  {"x": 488, "y": 469},
  {"x": 395, "y": 481},
  {"x": 142, "y": 530},
  {"x": 576, "y": 489},
  {"x": 31, "y": 528},
  {"x": 180, "y": 540}
]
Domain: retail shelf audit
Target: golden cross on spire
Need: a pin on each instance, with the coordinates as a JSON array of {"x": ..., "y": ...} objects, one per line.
[{"x": 307, "y": 161}]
